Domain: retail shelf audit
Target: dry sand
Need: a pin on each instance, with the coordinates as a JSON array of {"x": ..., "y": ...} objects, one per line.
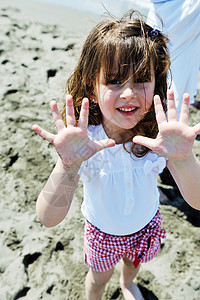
[{"x": 39, "y": 263}]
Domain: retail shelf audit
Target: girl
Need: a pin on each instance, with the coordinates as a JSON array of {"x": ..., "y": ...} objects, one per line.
[{"x": 115, "y": 135}]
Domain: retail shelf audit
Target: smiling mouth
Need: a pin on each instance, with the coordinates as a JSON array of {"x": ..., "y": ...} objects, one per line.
[{"x": 126, "y": 109}]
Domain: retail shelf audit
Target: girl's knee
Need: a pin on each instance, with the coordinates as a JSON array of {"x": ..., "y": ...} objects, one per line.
[
  {"x": 101, "y": 278},
  {"x": 128, "y": 272}
]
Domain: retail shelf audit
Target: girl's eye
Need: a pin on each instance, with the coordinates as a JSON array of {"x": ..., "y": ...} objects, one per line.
[
  {"x": 139, "y": 80},
  {"x": 114, "y": 82}
]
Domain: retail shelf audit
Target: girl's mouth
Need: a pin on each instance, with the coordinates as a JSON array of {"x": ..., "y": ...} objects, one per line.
[{"x": 128, "y": 110}]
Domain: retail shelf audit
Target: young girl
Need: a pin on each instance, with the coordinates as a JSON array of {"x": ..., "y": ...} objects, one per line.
[{"x": 114, "y": 133}]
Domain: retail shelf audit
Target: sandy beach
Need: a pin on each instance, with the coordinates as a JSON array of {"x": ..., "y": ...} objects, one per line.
[{"x": 39, "y": 48}]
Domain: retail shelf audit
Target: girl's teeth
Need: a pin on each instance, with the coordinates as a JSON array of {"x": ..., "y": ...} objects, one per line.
[{"x": 126, "y": 109}]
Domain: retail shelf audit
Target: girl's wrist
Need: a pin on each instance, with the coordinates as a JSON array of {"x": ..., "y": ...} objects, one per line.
[
  {"x": 69, "y": 167},
  {"x": 182, "y": 162}
]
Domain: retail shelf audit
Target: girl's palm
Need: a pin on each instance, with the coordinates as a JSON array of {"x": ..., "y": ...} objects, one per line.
[
  {"x": 71, "y": 142},
  {"x": 175, "y": 138}
]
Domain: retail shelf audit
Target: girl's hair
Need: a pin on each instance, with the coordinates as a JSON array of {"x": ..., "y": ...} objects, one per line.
[{"x": 121, "y": 46}]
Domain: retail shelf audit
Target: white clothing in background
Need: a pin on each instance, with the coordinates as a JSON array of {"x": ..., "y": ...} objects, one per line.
[{"x": 181, "y": 20}]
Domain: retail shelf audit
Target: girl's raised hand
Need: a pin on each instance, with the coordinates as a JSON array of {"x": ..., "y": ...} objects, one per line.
[
  {"x": 175, "y": 138},
  {"x": 72, "y": 143}
]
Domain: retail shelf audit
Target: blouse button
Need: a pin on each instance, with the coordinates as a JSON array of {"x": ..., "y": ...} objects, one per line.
[
  {"x": 128, "y": 185},
  {"x": 130, "y": 203},
  {"x": 129, "y": 206}
]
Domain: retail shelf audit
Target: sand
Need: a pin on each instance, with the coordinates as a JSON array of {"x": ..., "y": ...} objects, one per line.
[{"x": 37, "y": 55}]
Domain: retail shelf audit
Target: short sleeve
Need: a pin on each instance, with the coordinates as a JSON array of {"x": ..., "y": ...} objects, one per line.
[{"x": 155, "y": 166}]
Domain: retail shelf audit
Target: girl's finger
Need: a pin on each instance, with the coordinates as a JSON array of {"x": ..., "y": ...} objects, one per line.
[
  {"x": 196, "y": 128},
  {"x": 83, "y": 120},
  {"x": 144, "y": 141},
  {"x": 171, "y": 107},
  {"x": 56, "y": 116},
  {"x": 70, "y": 118},
  {"x": 185, "y": 109},
  {"x": 160, "y": 114},
  {"x": 43, "y": 133}
]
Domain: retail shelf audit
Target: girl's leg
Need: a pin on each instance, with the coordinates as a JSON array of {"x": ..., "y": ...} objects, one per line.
[
  {"x": 128, "y": 272},
  {"x": 96, "y": 282}
]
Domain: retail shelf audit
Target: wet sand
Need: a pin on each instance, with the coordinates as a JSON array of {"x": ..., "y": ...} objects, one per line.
[{"x": 37, "y": 55}]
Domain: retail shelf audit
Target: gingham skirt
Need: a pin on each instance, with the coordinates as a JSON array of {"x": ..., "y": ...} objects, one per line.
[{"x": 103, "y": 251}]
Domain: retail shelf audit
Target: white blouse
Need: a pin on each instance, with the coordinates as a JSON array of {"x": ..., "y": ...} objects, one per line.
[{"x": 120, "y": 190}]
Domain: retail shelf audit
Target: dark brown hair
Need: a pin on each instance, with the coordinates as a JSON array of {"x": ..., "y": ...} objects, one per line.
[{"x": 138, "y": 49}]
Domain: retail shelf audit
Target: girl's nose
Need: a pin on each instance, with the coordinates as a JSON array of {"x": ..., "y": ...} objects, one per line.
[{"x": 128, "y": 91}]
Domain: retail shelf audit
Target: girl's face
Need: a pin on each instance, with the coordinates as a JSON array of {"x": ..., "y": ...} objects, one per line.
[{"x": 123, "y": 104}]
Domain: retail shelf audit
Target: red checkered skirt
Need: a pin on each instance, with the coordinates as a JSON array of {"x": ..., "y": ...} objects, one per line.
[{"x": 103, "y": 251}]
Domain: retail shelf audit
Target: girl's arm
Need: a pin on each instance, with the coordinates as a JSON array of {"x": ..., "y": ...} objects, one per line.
[
  {"x": 187, "y": 176},
  {"x": 175, "y": 141},
  {"x": 55, "y": 199},
  {"x": 73, "y": 146}
]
